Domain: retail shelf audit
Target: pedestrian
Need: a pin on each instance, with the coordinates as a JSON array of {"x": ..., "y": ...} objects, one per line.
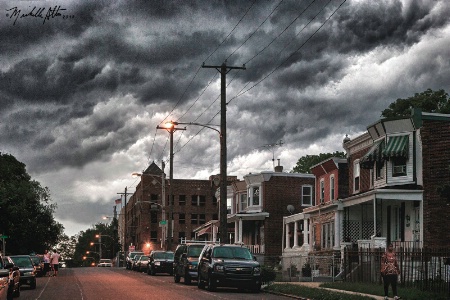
[
  {"x": 54, "y": 260},
  {"x": 46, "y": 263},
  {"x": 390, "y": 271}
]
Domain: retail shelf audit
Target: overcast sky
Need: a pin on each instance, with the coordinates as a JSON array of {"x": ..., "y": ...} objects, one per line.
[{"x": 81, "y": 93}]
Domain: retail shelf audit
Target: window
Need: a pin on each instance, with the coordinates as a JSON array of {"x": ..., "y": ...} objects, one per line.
[
  {"x": 379, "y": 170},
  {"x": 327, "y": 235},
  {"x": 356, "y": 176},
  {"x": 322, "y": 191},
  {"x": 398, "y": 166},
  {"x": 307, "y": 195},
  {"x": 182, "y": 199},
  {"x": 215, "y": 216},
  {"x": 153, "y": 197},
  {"x": 201, "y": 219},
  {"x": 243, "y": 202},
  {"x": 194, "y": 219},
  {"x": 253, "y": 196},
  {"x": 332, "y": 187},
  {"x": 181, "y": 219},
  {"x": 198, "y": 200},
  {"x": 153, "y": 236},
  {"x": 214, "y": 199}
]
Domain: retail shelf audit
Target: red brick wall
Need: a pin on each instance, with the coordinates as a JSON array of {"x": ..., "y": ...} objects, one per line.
[
  {"x": 279, "y": 192},
  {"x": 435, "y": 137}
]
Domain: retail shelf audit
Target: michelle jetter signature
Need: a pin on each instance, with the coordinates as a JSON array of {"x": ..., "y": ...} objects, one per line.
[{"x": 41, "y": 13}]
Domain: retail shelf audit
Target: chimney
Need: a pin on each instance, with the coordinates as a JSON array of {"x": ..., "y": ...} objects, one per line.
[{"x": 279, "y": 168}]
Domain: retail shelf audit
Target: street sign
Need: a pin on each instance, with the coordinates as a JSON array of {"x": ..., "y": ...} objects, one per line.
[
  {"x": 4, "y": 236},
  {"x": 163, "y": 222}
]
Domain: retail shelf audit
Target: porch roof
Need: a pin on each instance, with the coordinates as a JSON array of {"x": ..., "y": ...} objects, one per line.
[
  {"x": 384, "y": 194},
  {"x": 259, "y": 216}
]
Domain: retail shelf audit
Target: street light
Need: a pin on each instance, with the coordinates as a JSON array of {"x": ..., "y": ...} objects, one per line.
[
  {"x": 100, "y": 247},
  {"x": 223, "y": 228},
  {"x": 170, "y": 127}
]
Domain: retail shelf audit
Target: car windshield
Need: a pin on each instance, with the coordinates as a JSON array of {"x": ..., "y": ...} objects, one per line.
[
  {"x": 143, "y": 257},
  {"x": 35, "y": 259},
  {"x": 22, "y": 262},
  {"x": 194, "y": 251},
  {"x": 163, "y": 255},
  {"x": 232, "y": 252}
]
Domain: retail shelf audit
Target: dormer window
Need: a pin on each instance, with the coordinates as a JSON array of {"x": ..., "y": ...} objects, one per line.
[
  {"x": 356, "y": 175},
  {"x": 322, "y": 191},
  {"x": 253, "y": 196}
]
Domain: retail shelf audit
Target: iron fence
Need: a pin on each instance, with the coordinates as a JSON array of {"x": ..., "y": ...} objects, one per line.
[{"x": 425, "y": 269}]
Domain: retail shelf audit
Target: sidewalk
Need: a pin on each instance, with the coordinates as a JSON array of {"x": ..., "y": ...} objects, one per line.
[{"x": 316, "y": 285}]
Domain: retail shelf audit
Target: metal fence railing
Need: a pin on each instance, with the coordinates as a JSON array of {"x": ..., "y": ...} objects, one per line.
[{"x": 425, "y": 269}]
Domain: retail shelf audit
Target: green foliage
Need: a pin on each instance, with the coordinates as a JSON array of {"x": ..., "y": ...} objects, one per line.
[
  {"x": 428, "y": 101},
  {"x": 26, "y": 210},
  {"x": 268, "y": 274},
  {"x": 305, "y": 163}
]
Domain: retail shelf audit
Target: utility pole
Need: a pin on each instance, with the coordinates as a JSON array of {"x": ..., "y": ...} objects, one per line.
[
  {"x": 125, "y": 220},
  {"x": 170, "y": 127},
  {"x": 223, "y": 69}
]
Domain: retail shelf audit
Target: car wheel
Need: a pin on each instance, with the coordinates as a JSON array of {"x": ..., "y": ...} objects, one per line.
[
  {"x": 176, "y": 278},
  {"x": 148, "y": 271},
  {"x": 256, "y": 288},
  {"x": 200, "y": 282},
  {"x": 211, "y": 284}
]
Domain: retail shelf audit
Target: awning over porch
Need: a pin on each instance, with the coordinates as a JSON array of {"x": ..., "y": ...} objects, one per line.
[
  {"x": 397, "y": 146},
  {"x": 374, "y": 154},
  {"x": 259, "y": 216},
  {"x": 204, "y": 231}
]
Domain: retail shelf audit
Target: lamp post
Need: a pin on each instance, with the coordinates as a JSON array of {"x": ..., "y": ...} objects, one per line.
[
  {"x": 169, "y": 126},
  {"x": 223, "y": 177}
]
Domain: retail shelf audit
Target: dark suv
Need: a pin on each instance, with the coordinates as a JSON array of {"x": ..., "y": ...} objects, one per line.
[
  {"x": 228, "y": 266},
  {"x": 185, "y": 262},
  {"x": 160, "y": 262}
]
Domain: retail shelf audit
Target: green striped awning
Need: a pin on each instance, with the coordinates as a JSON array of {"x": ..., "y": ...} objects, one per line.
[
  {"x": 397, "y": 146},
  {"x": 374, "y": 154}
]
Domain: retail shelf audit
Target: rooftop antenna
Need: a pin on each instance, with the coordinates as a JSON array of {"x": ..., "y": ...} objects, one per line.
[{"x": 272, "y": 146}]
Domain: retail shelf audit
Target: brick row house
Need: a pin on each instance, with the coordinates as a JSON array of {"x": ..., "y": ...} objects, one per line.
[{"x": 393, "y": 187}]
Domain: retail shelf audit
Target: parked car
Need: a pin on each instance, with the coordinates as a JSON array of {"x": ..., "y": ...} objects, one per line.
[
  {"x": 141, "y": 263},
  {"x": 104, "y": 263},
  {"x": 130, "y": 258},
  {"x": 228, "y": 266},
  {"x": 26, "y": 268},
  {"x": 160, "y": 262},
  {"x": 185, "y": 262},
  {"x": 9, "y": 279},
  {"x": 135, "y": 260},
  {"x": 38, "y": 262}
]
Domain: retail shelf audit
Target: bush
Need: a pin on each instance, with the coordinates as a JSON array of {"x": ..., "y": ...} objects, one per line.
[{"x": 268, "y": 274}]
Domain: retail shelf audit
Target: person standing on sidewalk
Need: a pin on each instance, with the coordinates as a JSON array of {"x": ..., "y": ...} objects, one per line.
[
  {"x": 54, "y": 260},
  {"x": 390, "y": 271}
]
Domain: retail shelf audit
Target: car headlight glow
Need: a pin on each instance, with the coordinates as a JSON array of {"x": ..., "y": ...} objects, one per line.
[
  {"x": 157, "y": 263},
  {"x": 219, "y": 268}
]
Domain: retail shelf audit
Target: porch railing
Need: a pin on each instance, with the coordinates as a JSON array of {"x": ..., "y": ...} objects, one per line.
[{"x": 256, "y": 249}]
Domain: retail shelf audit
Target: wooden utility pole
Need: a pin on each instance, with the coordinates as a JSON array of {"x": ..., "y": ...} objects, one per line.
[
  {"x": 125, "y": 221},
  {"x": 223, "y": 69}
]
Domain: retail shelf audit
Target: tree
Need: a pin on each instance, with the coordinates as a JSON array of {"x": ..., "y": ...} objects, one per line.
[
  {"x": 26, "y": 210},
  {"x": 305, "y": 163},
  {"x": 428, "y": 101}
]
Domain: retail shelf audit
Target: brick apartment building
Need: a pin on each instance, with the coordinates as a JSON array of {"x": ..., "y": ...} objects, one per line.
[{"x": 147, "y": 211}]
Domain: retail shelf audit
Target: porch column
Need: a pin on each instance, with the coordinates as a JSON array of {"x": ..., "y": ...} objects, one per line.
[
  {"x": 240, "y": 230},
  {"x": 306, "y": 232},
  {"x": 295, "y": 234},
  {"x": 236, "y": 231},
  {"x": 214, "y": 232},
  {"x": 337, "y": 229},
  {"x": 288, "y": 241}
]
